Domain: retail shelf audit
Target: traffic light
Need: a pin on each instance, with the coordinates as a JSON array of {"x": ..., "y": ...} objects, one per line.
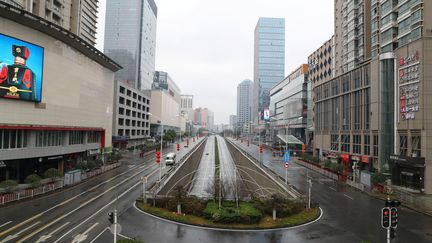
[
  {"x": 385, "y": 217},
  {"x": 158, "y": 156},
  {"x": 261, "y": 148},
  {"x": 178, "y": 147},
  {"x": 394, "y": 217},
  {"x": 111, "y": 217}
]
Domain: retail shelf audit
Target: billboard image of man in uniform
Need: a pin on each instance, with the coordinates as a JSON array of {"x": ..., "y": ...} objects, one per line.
[{"x": 17, "y": 81}]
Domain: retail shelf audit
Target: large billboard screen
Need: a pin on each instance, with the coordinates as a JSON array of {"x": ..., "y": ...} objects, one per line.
[{"x": 21, "y": 66}]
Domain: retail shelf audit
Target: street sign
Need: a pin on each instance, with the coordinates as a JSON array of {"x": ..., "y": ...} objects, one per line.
[
  {"x": 287, "y": 156},
  {"x": 286, "y": 165},
  {"x": 2, "y": 164}
]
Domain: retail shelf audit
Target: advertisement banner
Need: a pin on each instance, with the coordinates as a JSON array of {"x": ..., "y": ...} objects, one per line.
[{"x": 21, "y": 67}]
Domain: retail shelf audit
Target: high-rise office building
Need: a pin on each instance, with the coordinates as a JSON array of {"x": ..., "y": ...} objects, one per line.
[
  {"x": 79, "y": 17},
  {"x": 352, "y": 27},
  {"x": 269, "y": 61},
  {"x": 373, "y": 116},
  {"x": 130, "y": 39},
  {"x": 244, "y": 104}
]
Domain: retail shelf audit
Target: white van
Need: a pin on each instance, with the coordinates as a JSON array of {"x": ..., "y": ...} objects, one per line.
[{"x": 170, "y": 159}]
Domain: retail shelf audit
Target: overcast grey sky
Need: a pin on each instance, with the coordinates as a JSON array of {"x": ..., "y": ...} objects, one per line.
[{"x": 206, "y": 46}]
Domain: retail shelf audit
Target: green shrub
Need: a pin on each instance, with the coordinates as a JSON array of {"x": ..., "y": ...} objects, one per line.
[
  {"x": 99, "y": 162},
  {"x": 8, "y": 185},
  {"x": 51, "y": 173},
  {"x": 131, "y": 148},
  {"x": 91, "y": 164},
  {"x": 245, "y": 214},
  {"x": 33, "y": 180},
  {"x": 378, "y": 178},
  {"x": 194, "y": 206},
  {"x": 327, "y": 163},
  {"x": 82, "y": 166}
]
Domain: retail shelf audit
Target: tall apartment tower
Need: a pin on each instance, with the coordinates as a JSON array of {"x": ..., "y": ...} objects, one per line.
[
  {"x": 244, "y": 104},
  {"x": 130, "y": 39},
  {"x": 77, "y": 16},
  {"x": 269, "y": 61},
  {"x": 352, "y": 34}
]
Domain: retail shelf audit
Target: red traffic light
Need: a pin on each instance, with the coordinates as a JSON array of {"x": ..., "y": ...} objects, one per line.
[
  {"x": 385, "y": 217},
  {"x": 261, "y": 149},
  {"x": 158, "y": 156},
  {"x": 394, "y": 217},
  {"x": 178, "y": 147}
]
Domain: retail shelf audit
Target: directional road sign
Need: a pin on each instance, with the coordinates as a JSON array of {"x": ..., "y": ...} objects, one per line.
[{"x": 287, "y": 155}]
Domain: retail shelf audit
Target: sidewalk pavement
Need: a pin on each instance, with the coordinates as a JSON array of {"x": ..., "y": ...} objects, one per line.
[{"x": 416, "y": 201}]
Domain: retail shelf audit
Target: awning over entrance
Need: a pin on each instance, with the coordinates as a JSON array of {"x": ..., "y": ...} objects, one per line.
[{"x": 289, "y": 139}]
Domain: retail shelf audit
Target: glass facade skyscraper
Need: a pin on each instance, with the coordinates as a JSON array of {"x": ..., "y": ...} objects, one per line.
[
  {"x": 130, "y": 39},
  {"x": 269, "y": 61}
]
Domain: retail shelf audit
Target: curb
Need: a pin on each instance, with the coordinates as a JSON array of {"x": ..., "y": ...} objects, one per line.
[{"x": 228, "y": 229}]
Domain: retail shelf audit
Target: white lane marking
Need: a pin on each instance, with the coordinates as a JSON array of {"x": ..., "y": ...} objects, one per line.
[
  {"x": 46, "y": 237},
  {"x": 11, "y": 237},
  {"x": 82, "y": 205},
  {"x": 97, "y": 236},
  {"x": 5, "y": 224},
  {"x": 348, "y": 196},
  {"x": 103, "y": 208},
  {"x": 60, "y": 204},
  {"x": 126, "y": 237},
  {"x": 333, "y": 188},
  {"x": 82, "y": 237}
]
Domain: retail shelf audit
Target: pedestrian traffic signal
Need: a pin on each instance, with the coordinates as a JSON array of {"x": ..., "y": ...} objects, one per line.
[
  {"x": 178, "y": 147},
  {"x": 385, "y": 217},
  {"x": 261, "y": 149},
  {"x": 111, "y": 217},
  {"x": 158, "y": 156},
  {"x": 394, "y": 217}
]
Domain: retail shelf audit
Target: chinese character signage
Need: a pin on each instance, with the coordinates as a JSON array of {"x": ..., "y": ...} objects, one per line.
[
  {"x": 21, "y": 65},
  {"x": 409, "y": 78}
]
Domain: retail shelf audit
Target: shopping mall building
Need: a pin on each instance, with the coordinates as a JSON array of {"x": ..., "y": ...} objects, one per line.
[{"x": 56, "y": 96}]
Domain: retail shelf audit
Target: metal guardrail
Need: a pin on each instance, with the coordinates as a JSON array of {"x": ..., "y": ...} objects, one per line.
[{"x": 30, "y": 193}]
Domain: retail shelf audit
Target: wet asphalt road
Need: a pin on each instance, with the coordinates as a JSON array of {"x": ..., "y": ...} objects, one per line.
[
  {"x": 79, "y": 213},
  {"x": 204, "y": 178},
  {"x": 348, "y": 216}
]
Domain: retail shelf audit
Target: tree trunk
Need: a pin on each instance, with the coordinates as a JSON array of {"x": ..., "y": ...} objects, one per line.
[{"x": 274, "y": 214}]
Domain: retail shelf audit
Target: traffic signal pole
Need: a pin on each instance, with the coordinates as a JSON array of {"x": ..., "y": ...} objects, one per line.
[{"x": 115, "y": 225}]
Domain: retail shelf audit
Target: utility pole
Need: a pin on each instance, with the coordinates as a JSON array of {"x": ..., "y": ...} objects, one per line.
[
  {"x": 310, "y": 187},
  {"x": 160, "y": 164}
]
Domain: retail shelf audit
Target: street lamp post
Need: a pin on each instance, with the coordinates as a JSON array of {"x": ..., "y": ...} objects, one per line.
[{"x": 309, "y": 189}]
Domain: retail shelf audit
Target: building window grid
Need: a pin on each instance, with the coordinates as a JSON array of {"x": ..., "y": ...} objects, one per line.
[
  {"x": 49, "y": 138},
  {"x": 93, "y": 137},
  {"x": 357, "y": 144},
  {"x": 13, "y": 139},
  {"x": 366, "y": 145},
  {"x": 334, "y": 143},
  {"x": 375, "y": 145},
  {"x": 416, "y": 145},
  {"x": 76, "y": 137},
  {"x": 346, "y": 139}
]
